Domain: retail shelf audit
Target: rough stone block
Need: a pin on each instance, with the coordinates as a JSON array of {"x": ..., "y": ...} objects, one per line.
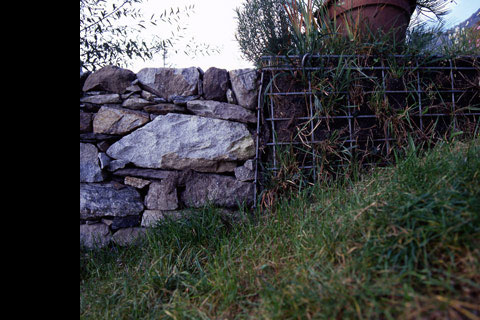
[
  {"x": 95, "y": 235},
  {"x": 89, "y": 165},
  {"x": 105, "y": 199},
  {"x": 162, "y": 195},
  {"x": 224, "y": 191}
]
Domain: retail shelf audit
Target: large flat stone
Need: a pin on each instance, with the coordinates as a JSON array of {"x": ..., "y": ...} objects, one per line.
[{"x": 176, "y": 141}]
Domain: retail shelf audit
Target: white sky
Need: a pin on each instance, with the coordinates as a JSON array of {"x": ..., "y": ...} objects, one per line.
[
  {"x": 460, "y": 10},
  {"x": 213, "y": 22}
]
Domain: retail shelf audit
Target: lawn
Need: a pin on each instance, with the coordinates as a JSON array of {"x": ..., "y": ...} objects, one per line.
[{"x": 401, "y": 242}]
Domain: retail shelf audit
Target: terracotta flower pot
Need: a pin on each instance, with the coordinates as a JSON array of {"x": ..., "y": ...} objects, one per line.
[{"x": 362, "y": 18}]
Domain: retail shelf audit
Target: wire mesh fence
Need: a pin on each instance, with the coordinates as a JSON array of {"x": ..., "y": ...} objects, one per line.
[{"x": 321, "y": 113}]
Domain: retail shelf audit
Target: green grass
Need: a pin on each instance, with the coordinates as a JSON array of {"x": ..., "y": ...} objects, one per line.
[{"x": 400, "y": 243}]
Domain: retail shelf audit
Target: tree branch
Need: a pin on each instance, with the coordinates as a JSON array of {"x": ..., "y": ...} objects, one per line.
[{"x": 106, "y": 16}]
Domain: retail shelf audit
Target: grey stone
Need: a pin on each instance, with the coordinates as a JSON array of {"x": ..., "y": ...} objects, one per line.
[
  {"x": 109, "y": 78},
  {"x": 135, "y": 103},
  {"x": 113, "y": 120},
  {"x": 245, "y": 86},
  {"x": 215, "y": 84},
  {"x": 170, "y": 82},
  {"x": 133, "y": 88},
  {"x": 105, "y": 199},
  {"x": 129, "y": 236},
  {"x": 116, "y": 165},
  {"x": 182, "y": 101},
  {"x": 104, "y": 160},
  {"x": 242, "y": 173},
  {"x": 147, "y": 95},
  {"x": 95, "y": 235},
  {"x": 159, "y": 100},
  {"x": 152, "y": 218},
  {"x": 245, "y": 172},
  {"x": 177, "y": 141},
  {"x": 90, "y": 170},
  {"x": 221, "y": 110},
  {"x": 225, "y": 191},
  {"x": 102, "y": 99},
  {"x": 127, "y": 95},
  {"x": 162, "y": 195},
  {"x": 138, "y": 183},
  {"x": 250, "y": 164}
]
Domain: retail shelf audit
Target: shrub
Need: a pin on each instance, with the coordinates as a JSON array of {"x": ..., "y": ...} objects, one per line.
[{"x": 263, "y": 28}]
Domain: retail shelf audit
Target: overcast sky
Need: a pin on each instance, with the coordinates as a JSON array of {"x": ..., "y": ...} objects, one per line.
[{"x": 213, "y": 22}]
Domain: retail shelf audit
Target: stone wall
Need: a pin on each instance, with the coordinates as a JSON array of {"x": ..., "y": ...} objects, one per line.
[{"x": 162, "y": 143}]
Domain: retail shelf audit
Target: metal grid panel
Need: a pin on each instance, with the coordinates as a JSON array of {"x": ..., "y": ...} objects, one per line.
[{"x": 436, "y": 97}]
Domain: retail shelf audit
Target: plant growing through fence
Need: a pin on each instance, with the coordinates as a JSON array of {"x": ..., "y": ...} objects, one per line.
[{"x": 338, "y": 104}]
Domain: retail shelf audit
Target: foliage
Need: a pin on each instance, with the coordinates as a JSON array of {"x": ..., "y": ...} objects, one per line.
[
  {"x": 263, "y": 28},
  {"x": 114, "y": 32},
  {"x": 465, "y": 41},
  {"x": 400, "y": 243},
  {"x": 439, "y": 8},
  {"x": 298, "y": 27},
  {"x": 306, "y": 32}
]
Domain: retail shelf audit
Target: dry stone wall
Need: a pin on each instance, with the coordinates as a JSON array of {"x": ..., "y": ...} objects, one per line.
[{"x": 162, "y": 143}]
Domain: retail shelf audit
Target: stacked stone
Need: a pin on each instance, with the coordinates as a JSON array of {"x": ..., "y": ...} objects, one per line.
[{"x": 162, "y": 143}]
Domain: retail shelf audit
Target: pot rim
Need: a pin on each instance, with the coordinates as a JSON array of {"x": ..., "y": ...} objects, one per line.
[{"x": 407, "y": 5}]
